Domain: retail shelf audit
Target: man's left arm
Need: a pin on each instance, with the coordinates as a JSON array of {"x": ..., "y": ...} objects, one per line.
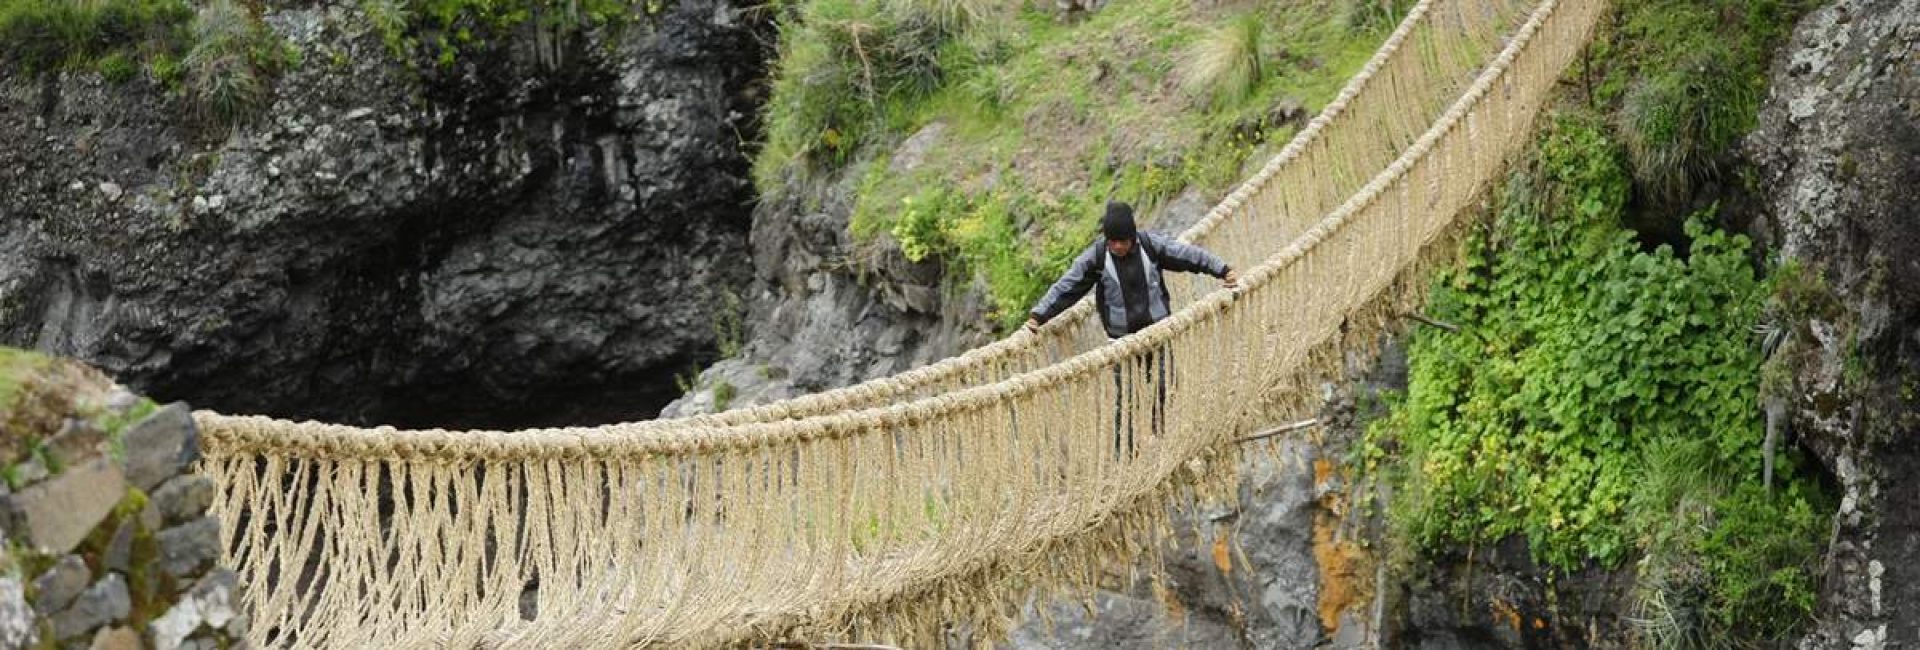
[{"x": 1188, "y": 258}]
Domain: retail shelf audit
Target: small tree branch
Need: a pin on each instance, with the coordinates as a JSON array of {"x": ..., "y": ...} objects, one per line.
[
  {"x": 1283, "y": 429},
  {"x": 1436, "y": 323}
]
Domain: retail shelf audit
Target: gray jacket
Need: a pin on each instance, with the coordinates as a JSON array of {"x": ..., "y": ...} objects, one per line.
[{"x": 1158, "y": 252}]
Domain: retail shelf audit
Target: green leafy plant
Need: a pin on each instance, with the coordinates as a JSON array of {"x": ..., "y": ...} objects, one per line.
[
  {"x": 918, "y": 228},
  {"x": 1600, "y": 400}
]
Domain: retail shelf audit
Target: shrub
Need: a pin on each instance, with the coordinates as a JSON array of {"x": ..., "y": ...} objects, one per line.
[
  {"x": 117, "y": 68},
  {"x": 1762, "y": 557}
]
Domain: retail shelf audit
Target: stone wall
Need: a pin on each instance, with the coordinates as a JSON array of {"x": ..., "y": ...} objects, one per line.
[{"x": 108, "y": 540}]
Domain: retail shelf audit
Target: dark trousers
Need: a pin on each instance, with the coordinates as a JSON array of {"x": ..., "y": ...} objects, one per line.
[{"x": 1128, "y": 392}]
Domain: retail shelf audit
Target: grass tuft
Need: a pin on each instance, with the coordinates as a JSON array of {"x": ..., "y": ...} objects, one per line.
[
  {"x": 228, "y": 67},
  {"x": 46, "y": 35},
  {"x": 1677, "y": 123},
  {"x": 1224, "y": 67},
  {"x": 948, "y": 16}
]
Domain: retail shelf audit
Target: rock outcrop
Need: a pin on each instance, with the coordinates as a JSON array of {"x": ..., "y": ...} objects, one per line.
[
  {"x": 1838, "y": 160},
  {"x": 535, "y": 233}
]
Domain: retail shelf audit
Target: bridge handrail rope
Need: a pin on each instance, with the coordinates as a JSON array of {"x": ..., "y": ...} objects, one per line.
[{"x": 885, "y": 523}]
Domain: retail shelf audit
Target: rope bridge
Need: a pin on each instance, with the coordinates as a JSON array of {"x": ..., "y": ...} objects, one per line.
[{"x": 892, "y": 510}]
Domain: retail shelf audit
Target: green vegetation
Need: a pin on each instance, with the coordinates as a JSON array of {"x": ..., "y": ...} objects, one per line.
[
  {"x": 44, "y": 35},
  {"x": 438, "y": 29},
  {"x": 231, "y": 64},
  {"x": 1685, "y": 79},
  {"x": 1039, "y": 121},
  {"x": 1602, "y": 401},
  {"x": 1602, "y": 397},
  {"x": 16, "y": 367},
  {"x": 215, "y": 53}
]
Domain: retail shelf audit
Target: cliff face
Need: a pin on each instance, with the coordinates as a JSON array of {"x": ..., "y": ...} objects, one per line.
[
  {"x": 535, "y": 233},
  {"x": 1838, "y": 156}
]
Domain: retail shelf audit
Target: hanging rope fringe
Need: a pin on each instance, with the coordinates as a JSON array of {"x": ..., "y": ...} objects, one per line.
[{"x": 923, "y": 508}]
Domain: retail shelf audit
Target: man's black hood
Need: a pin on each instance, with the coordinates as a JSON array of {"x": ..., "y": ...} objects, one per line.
[{"x": 1118, "y": 224}]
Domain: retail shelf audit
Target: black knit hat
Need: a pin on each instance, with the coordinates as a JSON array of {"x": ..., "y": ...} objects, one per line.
[{"x": 1118, "y": 224}]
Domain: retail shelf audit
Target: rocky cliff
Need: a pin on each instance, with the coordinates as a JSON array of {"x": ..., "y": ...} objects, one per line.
[
  {"x": 532, "y": 231},
  {"x": 1838, "y": 160}
]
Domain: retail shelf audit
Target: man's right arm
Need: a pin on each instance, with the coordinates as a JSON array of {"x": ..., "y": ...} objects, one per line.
[{"x": 1080, "y": 278}]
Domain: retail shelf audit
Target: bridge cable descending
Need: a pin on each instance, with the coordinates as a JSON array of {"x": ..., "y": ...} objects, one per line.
[{"x": 886, "y": 511}]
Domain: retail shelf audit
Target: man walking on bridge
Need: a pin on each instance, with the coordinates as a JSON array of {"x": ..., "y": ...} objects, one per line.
[{"x": 1132, "y": 295}]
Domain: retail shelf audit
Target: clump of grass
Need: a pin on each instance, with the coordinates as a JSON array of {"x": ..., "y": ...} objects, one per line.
[
  {"x": 949, "y": 16},
  {"x": 117, "y": 68},
  {"x": 227, "y": 70},
  {"x": 1371, "y": 14},
  {"x": 1676, "y": 123},
  {"x": 842, "y": 64},
  {"x": 44, "y": 35},
  {"x": 1224, "y": 67}
]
